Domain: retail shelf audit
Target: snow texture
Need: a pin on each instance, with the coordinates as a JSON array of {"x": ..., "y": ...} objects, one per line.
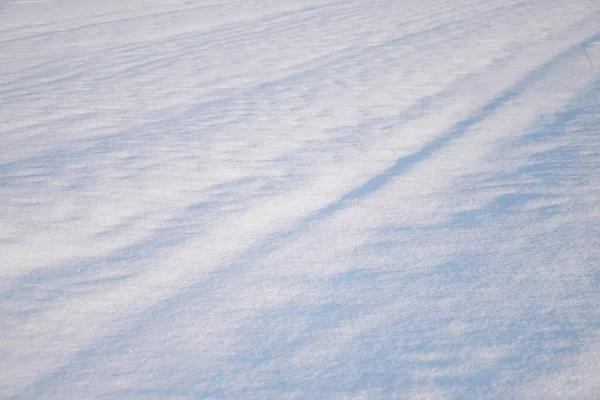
[{"x": 308, "y": 199}]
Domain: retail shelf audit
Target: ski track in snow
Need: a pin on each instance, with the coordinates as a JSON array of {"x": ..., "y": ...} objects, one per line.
[{"x": 299, "y": 199}]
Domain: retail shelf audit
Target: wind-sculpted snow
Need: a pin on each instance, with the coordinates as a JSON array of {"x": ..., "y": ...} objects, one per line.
[{"x": 299, "y": 199}]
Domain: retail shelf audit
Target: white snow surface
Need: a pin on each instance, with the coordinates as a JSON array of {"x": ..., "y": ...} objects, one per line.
[{"x": 308, "y": 199}]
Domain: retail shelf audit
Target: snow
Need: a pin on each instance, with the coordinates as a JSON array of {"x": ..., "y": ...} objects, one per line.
[{"x": 299, "y": 199}]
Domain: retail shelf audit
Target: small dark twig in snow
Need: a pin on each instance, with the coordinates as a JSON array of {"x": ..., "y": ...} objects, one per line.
[{"x": 588, "y": 58}]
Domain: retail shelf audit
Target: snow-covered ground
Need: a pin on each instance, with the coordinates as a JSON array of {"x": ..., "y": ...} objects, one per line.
[{"x": 239, "y": 199}]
